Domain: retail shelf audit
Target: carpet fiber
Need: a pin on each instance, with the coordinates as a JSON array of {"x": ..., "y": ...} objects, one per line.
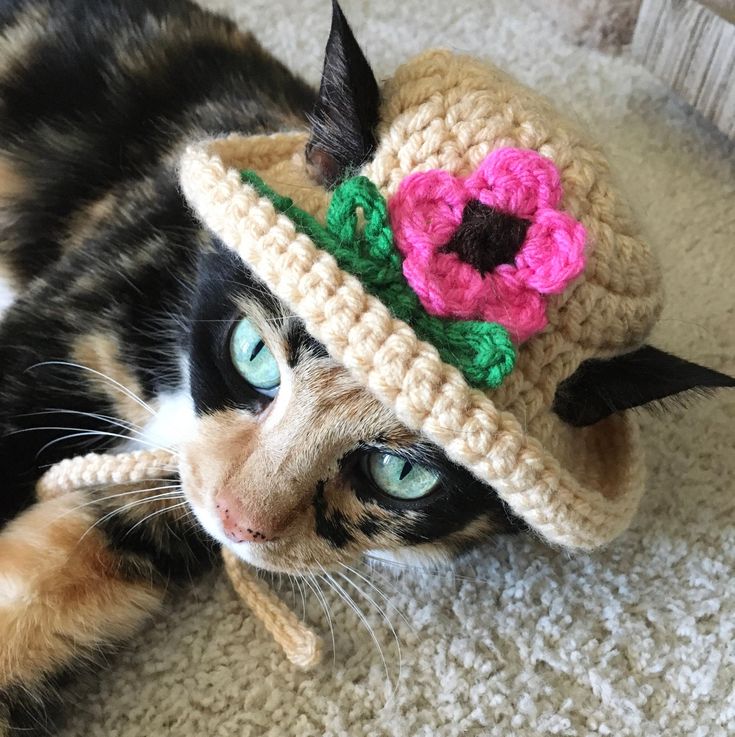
[{"x": 519, "y": 640}]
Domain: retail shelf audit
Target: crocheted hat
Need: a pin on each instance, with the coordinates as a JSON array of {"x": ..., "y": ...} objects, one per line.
[{"x": 467, "y": 348}]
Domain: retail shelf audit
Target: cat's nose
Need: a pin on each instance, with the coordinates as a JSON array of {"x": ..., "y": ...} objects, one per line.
[{"x": 242, "y": 527}]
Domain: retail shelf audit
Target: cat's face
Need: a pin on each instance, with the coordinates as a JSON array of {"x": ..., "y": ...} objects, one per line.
[{"x": 294, "y": 465}]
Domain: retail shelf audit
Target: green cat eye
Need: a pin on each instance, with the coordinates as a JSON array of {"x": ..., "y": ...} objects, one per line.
[
  {"x": 400, "y": 478},
  {"x": 253, "y": 359}
]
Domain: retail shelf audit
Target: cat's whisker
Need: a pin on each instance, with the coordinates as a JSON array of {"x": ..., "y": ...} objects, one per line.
[
  {"x": 168, "y": 481},
  {"x": 302, "y": 591},
  {"x": 160, "y": 479},
  {"x": 171, "y": 495},
  {"x": 101, "y": 500},
  {"x": 67, "y": 437},
  {"x": 91, "y": 434},
  {"x": 84, "y": 432},
  {"x": 125, "y": 424},
  {"x": 383, "y": 614},
  {"x": 293, "y": 585},
  {"x": 120, "y": 387},
  {"x": 172, "y": 470},
  {"x": 183, "y": 515},
  {"x": 385, "y": 582},
  {"x": 311, "y": 581},
  {"x": 361, "y": 615},
  {"x": 156, "y": 514},
  {"x": 193, "y": 522},
  {"x": 380, "y": 593},
  {"x": 433, "y": 571}
]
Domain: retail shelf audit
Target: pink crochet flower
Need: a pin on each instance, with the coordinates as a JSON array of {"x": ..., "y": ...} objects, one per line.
[{"x": 523, "y": 189}]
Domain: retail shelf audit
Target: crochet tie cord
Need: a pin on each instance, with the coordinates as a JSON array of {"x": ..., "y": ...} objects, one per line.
[
  {"x": 301, "y": 645},
  {"x": 459, "y": 141}
]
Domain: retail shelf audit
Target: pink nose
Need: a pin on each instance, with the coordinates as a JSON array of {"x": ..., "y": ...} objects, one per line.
[{"x": 239, "y": 526}]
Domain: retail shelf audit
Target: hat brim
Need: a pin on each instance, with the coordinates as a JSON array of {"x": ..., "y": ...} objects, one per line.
[{"x": 575, "y": 487}]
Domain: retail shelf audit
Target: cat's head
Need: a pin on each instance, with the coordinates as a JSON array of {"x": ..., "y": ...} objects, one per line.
[
  {"x": 300, "y": 462},
  {"x": 295, "y": 464}
]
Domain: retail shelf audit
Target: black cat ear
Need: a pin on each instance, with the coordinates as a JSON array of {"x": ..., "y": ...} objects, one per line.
[
  {"x": 600, "y": 387},
  {"x": 346, "y": 112}
]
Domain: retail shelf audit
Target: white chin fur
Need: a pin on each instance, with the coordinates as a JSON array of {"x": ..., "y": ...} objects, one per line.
[
  {"x": 422, "y": 556},
  {"x": 209, "y": 522},
  {"x": 211, "y": 525}
]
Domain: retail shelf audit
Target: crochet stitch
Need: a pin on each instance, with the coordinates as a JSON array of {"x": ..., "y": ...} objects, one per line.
[
  {"x": 481, "y": 350},
  {"x": 428, "y": 209},
  {"x": 575, "y": 486}
]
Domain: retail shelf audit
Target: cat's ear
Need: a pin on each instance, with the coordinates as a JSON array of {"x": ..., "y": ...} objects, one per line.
[
  {"x": 598, "y": 388},
  {"x": 346, "y": 112}
]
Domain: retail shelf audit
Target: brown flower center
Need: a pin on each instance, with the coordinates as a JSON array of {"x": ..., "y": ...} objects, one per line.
[{"x": 487, "y": 237}]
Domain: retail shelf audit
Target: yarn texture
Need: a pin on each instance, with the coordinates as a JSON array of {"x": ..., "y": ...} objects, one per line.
[
  {"x": 575, "y": 487},
  {"x": 427, "y": 210},
  {"x": 481, "y": 350}
]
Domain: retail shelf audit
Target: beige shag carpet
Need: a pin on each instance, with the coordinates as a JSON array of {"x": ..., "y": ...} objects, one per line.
[{"x": 635, "y": 641}]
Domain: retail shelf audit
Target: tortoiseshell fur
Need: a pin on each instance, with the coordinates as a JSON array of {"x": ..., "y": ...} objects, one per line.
[
  {"x": 116, "y": 311},
  {"x": 113, "y": 293}
]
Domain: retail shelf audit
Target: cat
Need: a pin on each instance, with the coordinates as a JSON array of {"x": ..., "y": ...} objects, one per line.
[{"x": 124, "y": 324}]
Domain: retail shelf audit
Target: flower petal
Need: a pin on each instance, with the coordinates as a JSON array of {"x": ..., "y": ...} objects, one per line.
[
  {"x": 426, "y": 210},
  {"x": 445, "y": 285},
  {"x": 517, "y": 181},
  {"x": 553, "y": 252},
  {"x": 509, "y": 302}
]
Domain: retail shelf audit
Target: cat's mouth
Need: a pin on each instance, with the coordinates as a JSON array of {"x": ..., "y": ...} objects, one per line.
[
  {"x": 260, "y": 554},
  {"x": 280, "y": 555},
  {"x": 292, "y": 554}
]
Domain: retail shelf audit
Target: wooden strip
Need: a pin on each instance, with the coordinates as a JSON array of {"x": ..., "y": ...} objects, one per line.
[{"x": 691, "y": 47}]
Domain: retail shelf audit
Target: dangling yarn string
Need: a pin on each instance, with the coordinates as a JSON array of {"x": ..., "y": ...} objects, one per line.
[{"x": 302, "y": 646}]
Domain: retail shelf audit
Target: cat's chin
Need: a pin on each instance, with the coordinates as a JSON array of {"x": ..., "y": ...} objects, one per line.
[
  {"x": 272, "y": 557},
  {"x": 258, "y": 556},
  {"x": 212, "y": 527},
  {"x": 246, "y": 553}
]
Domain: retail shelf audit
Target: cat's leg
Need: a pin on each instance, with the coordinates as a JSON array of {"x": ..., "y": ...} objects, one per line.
[{"x": 65, "y": 597}]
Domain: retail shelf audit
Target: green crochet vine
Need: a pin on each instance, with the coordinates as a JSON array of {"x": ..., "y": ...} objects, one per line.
[{"x": 482, "y": 351}]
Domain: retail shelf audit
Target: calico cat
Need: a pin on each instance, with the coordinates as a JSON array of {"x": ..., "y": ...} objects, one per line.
[{"x": 125, "y": 324}]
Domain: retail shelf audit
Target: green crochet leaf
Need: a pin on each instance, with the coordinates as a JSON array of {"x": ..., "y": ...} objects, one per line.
[{"x": 482, "y": 351}]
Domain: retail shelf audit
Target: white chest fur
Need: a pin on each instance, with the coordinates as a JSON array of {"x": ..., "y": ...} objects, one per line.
[{"x": 173, "y": 423}]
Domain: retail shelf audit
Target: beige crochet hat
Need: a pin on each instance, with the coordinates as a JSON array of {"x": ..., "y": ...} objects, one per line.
[{"x": 575, "y": 486}]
